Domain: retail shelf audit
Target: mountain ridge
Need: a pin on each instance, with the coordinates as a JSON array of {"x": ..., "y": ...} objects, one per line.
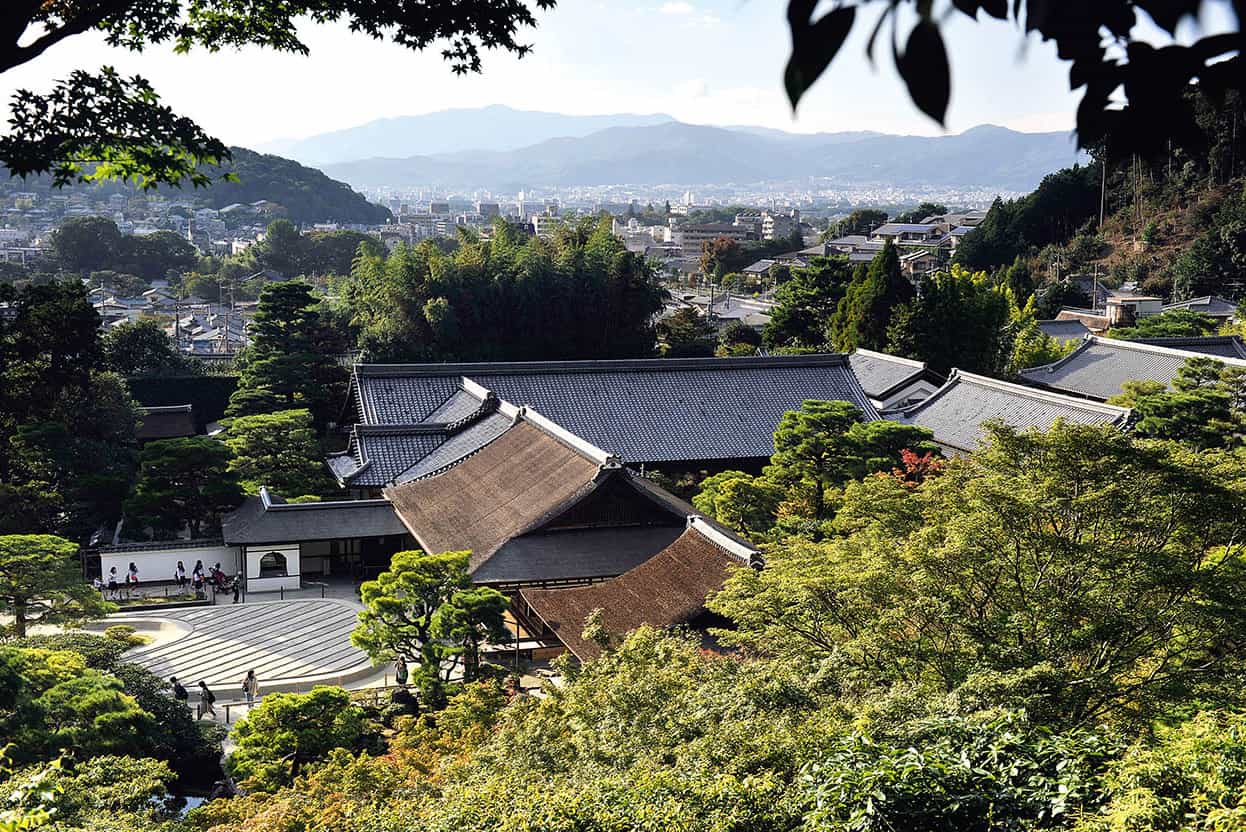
[{"x": 675, "y": 153}]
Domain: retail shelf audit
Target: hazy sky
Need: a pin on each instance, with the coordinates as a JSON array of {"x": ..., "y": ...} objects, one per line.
[{"x": 702, "y": 61}]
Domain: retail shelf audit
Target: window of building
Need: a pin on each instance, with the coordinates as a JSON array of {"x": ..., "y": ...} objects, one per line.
[{"x": 273, "y": 565}]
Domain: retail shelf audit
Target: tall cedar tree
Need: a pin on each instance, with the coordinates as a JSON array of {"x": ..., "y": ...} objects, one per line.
[
  {"x": 285, "y": 366},
  {"x": 865, "y": 311}
]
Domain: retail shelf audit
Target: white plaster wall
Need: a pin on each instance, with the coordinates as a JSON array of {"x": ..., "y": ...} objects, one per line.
[
  {"x": 293, "y": 568},
  {"x": 158, "y": 564}
]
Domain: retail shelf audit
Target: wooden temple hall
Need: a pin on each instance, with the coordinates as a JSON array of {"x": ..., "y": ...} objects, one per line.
[{"x": 557, "y": 524}]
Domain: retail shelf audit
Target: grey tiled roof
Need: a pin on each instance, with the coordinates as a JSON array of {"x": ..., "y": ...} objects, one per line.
[
  {"x": 1220, "y": 346},
  {"x": 575, "y": 554},
  {"x": 1213, "y": 305},
  {"x": 466, "y": 441},
  {"x": 460, "y": 405},
  {"x": 1070, "y": 330},
  {"x": 265, "y": 519},
  {"x": 880, "y": 373},
  {"x": 958, "y": 409},
  {"x": 377, "y": 455},
  {"x": 642, "y": 410},
  {"x": 1100, "y": 366}
]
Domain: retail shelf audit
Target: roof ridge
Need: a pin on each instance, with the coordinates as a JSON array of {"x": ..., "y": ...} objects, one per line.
[
  {"x": 910, "y": 362},
  {"x": 1138, "y": 346},
  {"x": 1043, "y": 394},
  {"x": 722, "y": 539},
  {"x": 602, "y": 365}
]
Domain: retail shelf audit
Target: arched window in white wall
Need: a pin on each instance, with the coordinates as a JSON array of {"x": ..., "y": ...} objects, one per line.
[{"x": 273, "y": 565}]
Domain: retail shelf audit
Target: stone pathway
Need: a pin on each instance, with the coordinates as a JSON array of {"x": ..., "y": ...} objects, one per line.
[{"x": 291, "y": 645}]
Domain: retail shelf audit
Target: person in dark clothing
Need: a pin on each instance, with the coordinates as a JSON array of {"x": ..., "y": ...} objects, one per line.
[
  {"x": 207, "y": 701},
  {"x": 179, "y": 691}
]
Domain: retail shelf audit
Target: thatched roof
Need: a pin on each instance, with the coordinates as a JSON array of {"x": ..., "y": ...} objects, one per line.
[
  {"x": 668, "y": 589},
  {"x": 501, "y": 491}
]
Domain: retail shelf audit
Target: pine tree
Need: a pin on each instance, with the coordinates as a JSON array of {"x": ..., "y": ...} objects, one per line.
[
  {"x": 284, "y": 368},
  {"x": 865, "y": 312}
]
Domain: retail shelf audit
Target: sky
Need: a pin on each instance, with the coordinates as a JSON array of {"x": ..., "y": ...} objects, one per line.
[{"x": 701, "y": 61}]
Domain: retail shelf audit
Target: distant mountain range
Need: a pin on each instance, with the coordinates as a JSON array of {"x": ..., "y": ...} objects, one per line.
[
  {"x": 673, "y": 153},
  {"x": 483, "y": 128}
]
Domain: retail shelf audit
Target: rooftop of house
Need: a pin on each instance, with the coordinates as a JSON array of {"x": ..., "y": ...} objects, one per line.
[
  {"x": 1100, "y": 366},
  {"x": 539, "y": 504},
  {"x": 646, "y": 410},
  {"x": 665, "y": 590},
  {"x": 881, "y": 374},
  {"x": 904, "y": 228},
  {"x": 1213, "y": 305},
  {"x": 1219, "y": 346},
  {"x": 167, "y": 422},
  {"x": 957, "y": 411},
  {"x": 1064, "y": 330},
  {"x": 267, "y": 518}
]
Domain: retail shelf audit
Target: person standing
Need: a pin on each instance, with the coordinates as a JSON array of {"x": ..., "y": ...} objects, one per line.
[
  {"x": 400, "y": 670},
  {"x": 179, "y": 575},
  {"x": 179, "y": 690},
  {"x": 207, "y": 701},
  {"x": 237, "y": 586},
  {"x": 251, "y": 688},
  {"x": 113, "y": 591}
]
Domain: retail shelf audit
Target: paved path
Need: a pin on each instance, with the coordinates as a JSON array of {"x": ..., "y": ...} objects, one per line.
[{"x": 290, "y": 644}]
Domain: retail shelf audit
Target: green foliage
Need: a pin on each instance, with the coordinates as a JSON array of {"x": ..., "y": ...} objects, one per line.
[
  {"x": 1203, "y": 410},
  {"x": 468, "y": 619},
  {"x": 919, "y": 214},
  {"x": 957, "y": 321},
  {"x": 141, "y": 348},
  {"x": 861, "y": 221},
  {"x": 1214, "y": 263},
  {"x": 53, "y": 702},
  {"x": 60, "y": 132},
  {"x": 1054, "y": 297},
  {"x": 509, "y": 298},
  {"x": 286, "y": 366},
  {"x": 817, "y": 449},
  {"x": 740, "y": 501},
  {"x": 184, "y": 482},
  {"x": 303, "y": 194},
  {"x": 862, "y": 317},
  {"x": 278, "y": 450},
  {"x": 41, "y": 582},
  {"x": 126, "y": 791},
  {"x": 403, "y": 615},
  {"x": 1047, "y": 571},
  {"x": 97, "y": 652},
  {"x": 1061, "y": 204},
  {"x": 686, "y": 333},
  {"x": 125, "y": 634},
  {"x": 1190, "y": 778},
  {"x": 290, "y": 731},
  {"x": 1176, "y": 323},
  {"x": 956, "y": 774},
  {"x": 67, "y": 448},
  {"x": 805, "y": 304}
]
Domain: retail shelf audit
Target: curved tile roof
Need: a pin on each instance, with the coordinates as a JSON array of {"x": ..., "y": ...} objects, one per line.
[
  {"x": 957, "y": 410},
  {"x": 647, "y": 410},
  {"x": 880, "y": 373},
  {"x": 1099, "y": 367}
]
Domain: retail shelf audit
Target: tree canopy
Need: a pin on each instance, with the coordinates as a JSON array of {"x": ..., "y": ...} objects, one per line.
[{"x": 41, "y": 582}]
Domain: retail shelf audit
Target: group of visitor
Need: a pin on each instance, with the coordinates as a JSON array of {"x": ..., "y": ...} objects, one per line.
[
  {"x": 200, "y": 579},
  {"x": 207, "y": 699},
  {"x": 110, "y": 587}
]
